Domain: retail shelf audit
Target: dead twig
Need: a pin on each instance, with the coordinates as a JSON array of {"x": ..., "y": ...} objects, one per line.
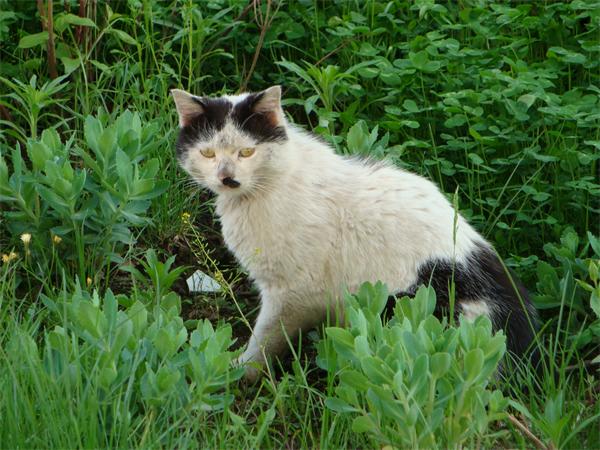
[
  {"x": 42, "y": 12},
  {"x": 588, "y": 364},
  {"x": 335, "y": 50},
  {"x": 79, "y": 33},
  {"x": 5, "y": 113},
  {"x": 47, "y": 18},
  {"x": 228, "y": 30},
  {"x": 264, "y": 23},
  {"x": 51, "y": 50},
  {"x": 527, "y": 432}
]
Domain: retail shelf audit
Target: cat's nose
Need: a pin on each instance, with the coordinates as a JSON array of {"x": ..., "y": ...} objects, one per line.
[
  {"x": 225, "y": 174},
  {"x": 228, "y": 181}
]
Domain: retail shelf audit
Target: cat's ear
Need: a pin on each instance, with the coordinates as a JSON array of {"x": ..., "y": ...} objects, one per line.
[
  {"x": 269, "y": 103},
  {"x": 188, "y": 106}
]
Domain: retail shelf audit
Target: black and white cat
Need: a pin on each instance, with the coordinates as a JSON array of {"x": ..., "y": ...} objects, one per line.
[{"x": 307, "y": 223}]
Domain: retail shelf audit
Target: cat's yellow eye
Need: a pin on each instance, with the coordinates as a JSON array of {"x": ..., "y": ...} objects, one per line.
[
  {"x": 246, "y": 152},
  {"x": 208, "y": 152}
]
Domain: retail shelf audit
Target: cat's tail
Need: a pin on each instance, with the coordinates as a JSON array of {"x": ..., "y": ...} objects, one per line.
[{"x": 510, "y": 308}]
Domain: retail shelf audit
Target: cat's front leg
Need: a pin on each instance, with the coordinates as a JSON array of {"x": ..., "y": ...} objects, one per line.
[
  {"x": 279, "y": 316},
  {"x": 267, "y": 338}
]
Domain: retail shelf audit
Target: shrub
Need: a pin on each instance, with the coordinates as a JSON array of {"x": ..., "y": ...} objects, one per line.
[
  {"x": 413, "y": 382},
  {"x": 90, "y": 203},
  {"x": 117, "y": 363},
  {"x": 570, "y": 285}
]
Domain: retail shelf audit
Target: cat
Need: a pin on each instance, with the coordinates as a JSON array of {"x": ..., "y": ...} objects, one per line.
[{"x": 308, "y": 223}]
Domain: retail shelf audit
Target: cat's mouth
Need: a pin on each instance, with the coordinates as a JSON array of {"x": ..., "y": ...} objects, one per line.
[{"x": 230, "y": 182}]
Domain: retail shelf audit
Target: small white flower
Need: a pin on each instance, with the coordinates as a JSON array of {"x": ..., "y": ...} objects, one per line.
[{"x": 26, "y": 238}]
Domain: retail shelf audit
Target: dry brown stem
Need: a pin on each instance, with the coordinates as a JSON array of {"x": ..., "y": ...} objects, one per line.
[{"x": 527, "y": 432}]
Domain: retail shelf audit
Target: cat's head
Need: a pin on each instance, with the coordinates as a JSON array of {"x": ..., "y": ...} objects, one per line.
[{"x": 228, "y": 143}]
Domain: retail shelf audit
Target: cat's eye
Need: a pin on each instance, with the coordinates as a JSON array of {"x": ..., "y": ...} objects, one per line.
[
  {"x": 246, "y": 152},
  {"x": 208, "y": 152}
]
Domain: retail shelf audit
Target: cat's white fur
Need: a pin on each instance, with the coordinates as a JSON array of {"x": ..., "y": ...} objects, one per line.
[{"x": 307, "y": 223}]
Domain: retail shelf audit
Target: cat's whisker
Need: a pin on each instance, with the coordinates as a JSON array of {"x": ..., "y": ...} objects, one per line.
[{"x": 186, "y": 184}]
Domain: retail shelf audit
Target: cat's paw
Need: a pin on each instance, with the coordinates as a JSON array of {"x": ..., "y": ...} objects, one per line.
[
  {"x": 251, "y": 373},
  {"x": 252, "y": 368}
]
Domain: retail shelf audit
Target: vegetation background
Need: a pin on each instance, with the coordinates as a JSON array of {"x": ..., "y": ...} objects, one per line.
[{"x": 102, "y": 345}]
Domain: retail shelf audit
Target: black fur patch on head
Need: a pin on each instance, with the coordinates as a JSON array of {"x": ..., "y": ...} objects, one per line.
[
  {"x": 262, "y": 126},
  {"x": 483, "y": 277},
  {"x": 204, "y": 124}
]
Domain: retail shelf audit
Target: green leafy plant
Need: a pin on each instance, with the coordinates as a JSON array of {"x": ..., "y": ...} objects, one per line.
[
  {"x": 413, "y": 382},
  {"x": 136, "y": 364},
  {"x": 158, "y": 273},
  {"x": 572, "y": 286},
  {"x": 90, "y": 204},
  {"x": 32, "y": 104}
]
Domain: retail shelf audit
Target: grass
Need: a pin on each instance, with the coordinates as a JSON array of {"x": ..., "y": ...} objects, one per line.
[{"x": 497, "y": 102}]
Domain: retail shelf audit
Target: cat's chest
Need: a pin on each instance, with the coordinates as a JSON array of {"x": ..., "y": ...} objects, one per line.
[{"x": 263, "y": 239}]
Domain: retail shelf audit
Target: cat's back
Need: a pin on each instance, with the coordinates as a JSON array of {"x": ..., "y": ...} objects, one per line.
[{"x": 405, "y": 209}]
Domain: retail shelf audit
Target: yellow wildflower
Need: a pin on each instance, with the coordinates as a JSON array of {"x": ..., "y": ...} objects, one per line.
[
  {"x": 56, "y": 239},
  {"x": 88, "y": 281},
  {"x": 185, "y": 217},
  {"x": 8, "y": 258}
]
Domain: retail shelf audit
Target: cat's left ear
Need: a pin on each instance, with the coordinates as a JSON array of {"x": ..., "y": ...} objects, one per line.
[
  {"x": 188, "y": 106},
  {"x": 269, "y": 104}
]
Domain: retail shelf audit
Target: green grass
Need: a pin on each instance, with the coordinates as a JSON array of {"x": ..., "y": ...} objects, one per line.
[{"x": 497, "y": 102}]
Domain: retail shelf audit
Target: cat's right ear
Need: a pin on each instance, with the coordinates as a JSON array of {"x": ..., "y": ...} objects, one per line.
[
  {"x": 188, "y": 106},
  {"x": 269, "y": 104}
]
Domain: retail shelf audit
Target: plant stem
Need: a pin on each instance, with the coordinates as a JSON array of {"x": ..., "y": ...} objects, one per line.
[
  {"x": 527, "y": 432},
  {"x": 51, "y": 50}
]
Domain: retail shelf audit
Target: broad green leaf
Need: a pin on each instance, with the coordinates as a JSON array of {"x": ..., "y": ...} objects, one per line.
[
  {"x": 440, "y": 364},
  {"x": 123, "y": 36},
  {"x": 358, "y": 138},
  {"x": 567, "y": 55},
  {"x": 362, "y": 424},
  {"x": 3, "y": 174},
  {"x": 107, "y": 376},
  {"x": 338, "y": 405},
  {"x": 341, "y": 336},
  {"x": 473, "y": 363},
  {"x": 139, "y": 317},
  {"x": 53, "y": 199},
  {"x": 419, "y": 59},
  {"x": 39, "y": 153},
  {"x": 93, "y": 130},
  {"x": 110, "y": 308},
  {"x": 107, "y": 143},
  {"x": 595, "y": 302},
  {"x": 71, "y": 64},
  {"x": 166, "y": 378},
  {"x": 124, "y": 168},
  {"x": 33, "y": 40},
  {"x": 410, "y": 106},
  {"x": 63, "y": 20},
  {"x": 91, "y": 319},
  {"x": 354, "y": 379},
  {"x": 527, "y": 99},
  {"x": 101, "y": 66},
  {"x": 595, "y": 243}
]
